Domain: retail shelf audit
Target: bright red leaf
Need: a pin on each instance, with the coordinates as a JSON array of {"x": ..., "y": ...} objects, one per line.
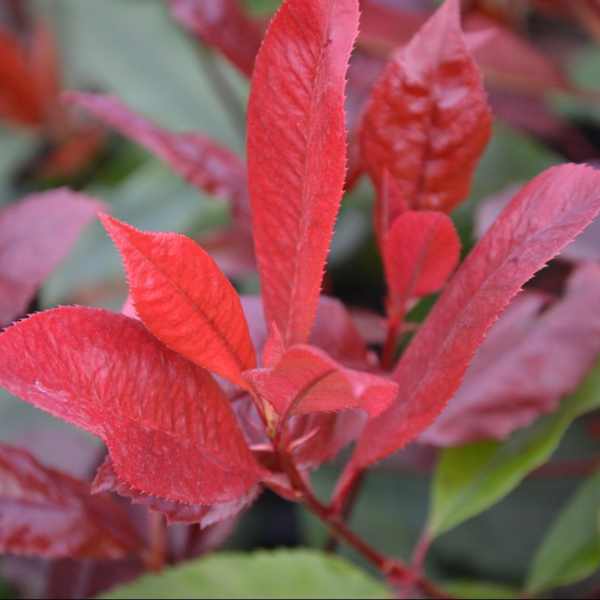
[
  {"x": 35, "y": 235},
  {"x": 307, "y": 380},
  {"x": 184, "y": 300},
  {"x": 200, "y": 160},
  {"x": 428, "y": 121},
  {"x": 420, "y": 252},
  {"x": 528, "y": 362},
  {"x": 169, "y": 428},
  {"x": 223, "y": 25},
  {"x": 107, "y": 480},
  {"x": 297, "y": 153},
  {"x": 46, "y": 513},
  {"x": 536, "y": 225}
]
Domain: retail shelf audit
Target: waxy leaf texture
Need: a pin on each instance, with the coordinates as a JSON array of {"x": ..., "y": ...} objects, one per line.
[
  {"x": 184, "y": 300},
  {"x": 297, "y": 154},
  {"x": 307, "y": 380},
  {"x": 35, "y": 235},
  {"x": 169, "y": 428},
  {"x": 428, "y": 121},
  {"x": 542, "y": 219},
  {"x": 44, "y": 512},
  {"x": 420, "y": 252},
  {"x": 223, "y": 25},
  {"x": 200, "y": 160},
  {"x": 527, "y": 364}
]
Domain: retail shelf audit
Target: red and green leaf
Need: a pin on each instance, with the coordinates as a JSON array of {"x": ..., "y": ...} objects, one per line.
[
  {"x": 297, "y": 154},
  {"x": 184, "y": 300},
  {"x": 35, "y": 235},
  {"x": 46, "y": 513},
  {"x": 169, "y": 428},
  {"x": 428, "y": 121},
  {"x": 541, "y": 220}
]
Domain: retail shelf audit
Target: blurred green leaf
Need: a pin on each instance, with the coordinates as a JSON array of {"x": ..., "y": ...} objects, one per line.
[
  {"x": 481, "y": 590},
  {"x": 138, "y": 52},
  {"x": 279, "y": 574},
  {"x": 571, "y": 549},
  {"x": 470, "y": 479}
]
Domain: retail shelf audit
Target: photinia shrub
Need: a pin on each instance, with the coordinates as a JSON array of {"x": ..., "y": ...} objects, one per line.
[{"x": 203, "y": 397}]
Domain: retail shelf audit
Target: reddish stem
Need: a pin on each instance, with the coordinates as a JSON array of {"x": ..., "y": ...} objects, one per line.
[
  {"x": 389, "y": 348},
  {"x": 158, "y": 540},
  {"x": 393, "y": 569}
]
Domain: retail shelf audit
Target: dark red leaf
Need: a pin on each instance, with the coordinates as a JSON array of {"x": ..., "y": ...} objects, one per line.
[
  {"x": 182, "y": 297},
  {"x": 107, "y": 480},
  {"x": 35, "y": 235},
  {"x": 528, "y": 362},
  {"x": 520, "y": 67},
  {"x": 222, "y": 25},
  {"x": 428, "y": 121},
  {"x": 297, "y": 153},
  {"x": 169, "y": 428},
  {"x": 536, "y": 225},
  {"x": 200, "y": 160},
  {"x": 420, "y": 252},
  {"x": 307, "y": 380},
  {"x": 46, "y": 513}
]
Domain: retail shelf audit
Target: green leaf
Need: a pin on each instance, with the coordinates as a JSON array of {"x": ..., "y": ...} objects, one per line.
[
  {"x": 481, "y": 590},
  {"x": 279, "y": 574},
  {"x": 571, "y": 550},
  {"x": 470, "y": 479}
]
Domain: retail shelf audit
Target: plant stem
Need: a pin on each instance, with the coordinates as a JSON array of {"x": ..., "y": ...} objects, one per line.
[
  {"x": 347, "y": 508},
  {"x": 389, "y": 348},
  {"x": 393, "y": 569}
]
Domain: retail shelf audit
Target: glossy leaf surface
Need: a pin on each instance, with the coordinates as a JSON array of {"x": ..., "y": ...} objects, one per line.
[
  {"x": 184, "y": 300},
  {"x": 537, "y": 224},
  {"x": 307, "y": 381},
  {"x": 428, "y": 121},
  {"x": 297, "y": 154},
  {"x": 168, "y": 426}
]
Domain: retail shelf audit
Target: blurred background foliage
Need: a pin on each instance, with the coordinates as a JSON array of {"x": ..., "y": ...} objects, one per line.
[{"x": 136, "y": 51}]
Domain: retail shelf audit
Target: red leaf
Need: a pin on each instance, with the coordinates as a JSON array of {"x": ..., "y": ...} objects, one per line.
[
  {"x": 46, "y": 513},
  {"x": 223, "y": 25},
  {"x": 428, "y": 121},
  {"x": 198, "y": 159},
  {"x": 107, "y": 480},
  {"x": 537, "y": 224},
  {"x": 35, "y": 235},
  {"x": 390, "y": 206},
  {"x": 334, "y": 331},
  {"x": 169, "y": 428},
  {"x": 307, "y": 381},
  {"x": 420, "y": 252},
  {"x": 184, "y": 300},
  {"x": 528, "y": 362},
  {"x": 297, "y": 153}
]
